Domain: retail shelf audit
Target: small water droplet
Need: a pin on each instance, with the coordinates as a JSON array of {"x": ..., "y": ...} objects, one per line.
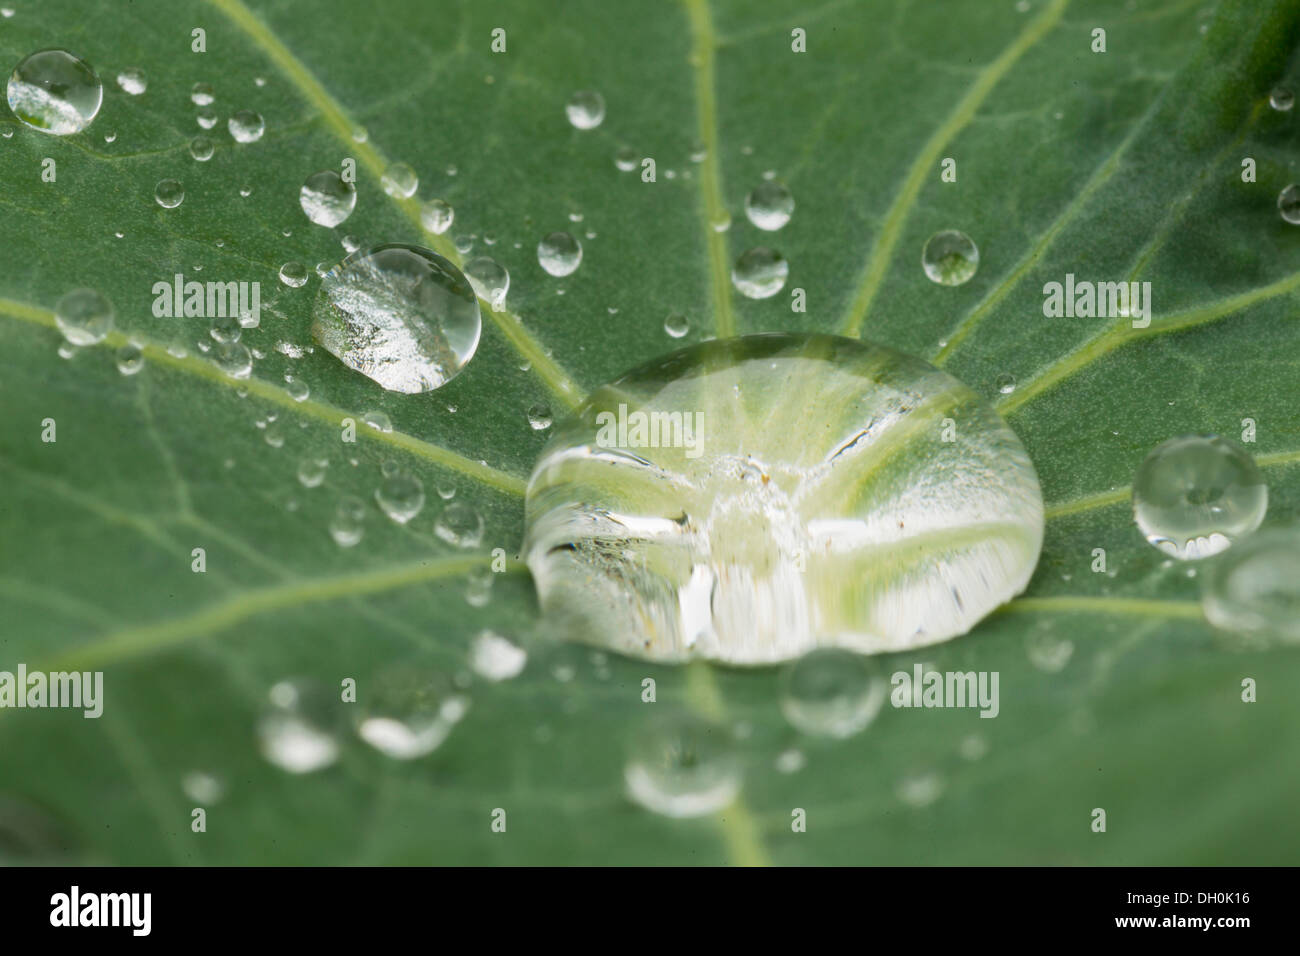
[
  {"x": 400, "y": 181},
  {"x": 950, "y": 257},
  {"x": 973, "y": 747},
  {"x": 676, "y": 325},
  {"x": 559, "y": 254},
  {"x": 311, "y": 471},
  {"x": 585, "y": 109},
  {"x": 246, "y": 126},
  {"x": 832, "y": 693},
  {"x": 408, "y": 713},
  {"x": 298, "y": 731},
  {"x": 327, "y": 199},
  {"x": 1048, "y": 652},
  {"x": 436, "y": 216},
  {"x": 225, "y": 328},
  {"x": 769, "y": 205},
  {"x": 626, "y": 158},
  {"x": 496, "y": 658},
  {"x": 683, "y": 767},
  {"x": 349, "y": 522},
  {"x": 274, "y": 436},
  {"x": 206, "y": 117},
  {"x": 377, "y": 420},
  {"x": 539, "y": 416},
  {"x": 490, "y": 280},
  {"x": 293, "y": 274},
  {"x": 133, "y": 81},
  {"x": 401, "y": 495},
  {"x": 760, "y": 273},
  {"x": 920, "y": 789},
  {"x": 201, "y": 148},
  {"x": 201, "y": 94},
  {"x": 401, "y": 315},
  {"x": 1005, "y": 383},
  {"x": 55, "y": 91},
  {"x": 1254, "y": 590},
  {"x": 1288, "y": 204},
  {"x": 169, "y": 193},
  {"x": 203, "y": 788},
  {"x": 460, "y": 525},
  {"x": 234, "y": 359},
  {"x": 1281, "y": 99},
  {"x": 129, "y": 358},
  {"x": 298, "y": 390},
  {"x": 84, "y": 316},
  {"x": 1194, "y": 495}
]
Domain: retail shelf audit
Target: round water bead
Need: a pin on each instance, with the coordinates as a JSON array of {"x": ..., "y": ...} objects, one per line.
[
  {"x": 327, "y": 198},
  {"x": 747, "y": 500},
  {"x": 202, "y": 94},
  {"x": 84, "y": 316},
  {"x": 1288, "y": 204},
  {"x": 1254, "y": 589},
  {"x": 293, "y": 274},
  {"x": 677, "y": 325},
  {"x": 494, "y": 657},
  {"x": 400, "y": 314},
  {"x": 760, "y": 273},
  {"x": 400, "y": 181},
  {"x": 133, "y": 81},
  {"x": 129, "y": 358},
  {"x": 408, "y": 713},
  {"x": 246, "y": 126},
  {"x": 683, "y": 767},
  {"x": 832, "y": 692},
  {"x": 1281, "y": 99},
  {"x": 436, "y": 215},
  {"x": 298, "y": 731},
  {"x": 169, "y": 193},
  {"x": 540, "y": 417},
  {"x": 55, "y": 91},
  {"x": 950, "y": 257},
  {"x": 626, "y": 158},
  {"x": 490, "y": 280},
  {"x": 559, "y": 254},
  {"x": 769, "y": 205},
  {"x": 1195, "y": 495},
  {"x": 460, "y": 525},
  {"x": 401, "y": 495},
  {"x": 348, "y": 525},
  {"x": 201, "y": 148},
  {"x": 585, "y": 109}
]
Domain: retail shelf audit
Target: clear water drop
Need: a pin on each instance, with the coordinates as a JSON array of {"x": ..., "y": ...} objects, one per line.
[
  {"x": 377, "y": 420},
  {"x": 327, "y": 199},
  {"x": 169, "y": 193},
  {"x": 760, "y": 273},
  {"x": 298, "y": 731},
  {"x": 311, "y": 471},
  {"x": 490, "y": 280},
  {"x": 55, "y": 91},
  {"x": 559, "y": 254},
  {"x": 400, "y": 181},
  {"x": 540, "y": 417},
  {"x": 683, "y": 767},
  {"x": 675, "y": 515},
  {"x": 950, "y": 257},
  {"x": 769, "y": 205},
  {"x": 401, "y": 315},
  {"x": 225, "y": 328},
  {"x": 246, "y": 126},
  {"x": 202, "y": 94},
  {"x": 676, "y": 325},
  {"x": 1254, "y": 589},
  {"x": 626, "y": 158},
  {"x": 205, "y": 789},
  {"x": 1193, "y": 496},
  {"x": 234, "y": 359},
  {"x": 585, "y": 109},
  {"x": 206, "y": 117},
  {"x": 1281, "y": 99},
  {"x": 1288, "y": 204},
  {"x": 831, "y": 692},
  {"x": 496, "y": 658},
  {"x": 1048, "y": 651},
  {"x": 436, "y": 216},
  {"x": 129, "y": 358},
  {"x": 133, "y": 81},
  {"x": 293, "y": 274},
  {"x": 1005, "y": 383},
  {"x": 298, "y": 390},
  {"x": 409, "y": 712},
  {"x": 201, "y": 149},
  {"x": 401, "y": 495},
  {"x": 920, "y": 788},
  {"x": 84, "y": 316},
  {"x": 460, "y": 525},
  {"x": 348, "y": 525}
]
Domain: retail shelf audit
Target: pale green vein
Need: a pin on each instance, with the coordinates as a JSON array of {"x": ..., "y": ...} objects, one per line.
[
  {"x": 1115, "y": 336},
  {"x": 223, "y": 615},
  {"x": 924, "y": 164},
  {"x": 712, "y": 205},
  {"x": 1130, "y": 607},
  {"x": 510, "y": 325},
  {"x": 1102, "y": 499},
  {"x": 265, "y": 390},
  {"x": 740, "y": 831}
]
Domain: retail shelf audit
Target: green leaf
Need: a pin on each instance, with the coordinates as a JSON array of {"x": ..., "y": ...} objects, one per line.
[{"x": 1117, "y": 165}]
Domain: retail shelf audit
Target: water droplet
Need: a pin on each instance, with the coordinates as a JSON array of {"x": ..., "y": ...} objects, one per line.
[
  {"x": 1049, "y": 652},
  {"x": 699, "y": 152},
  {"x": 950, "y": 257},
  {"x": 401, "y": 495},
  {"x": 293, "y": 274},
  {"x": 1005, "y": 383},
  {"x": 409, "y": 713},
  {"x": 1281, "y": 99},
  {"x": 832, "y": 693},
  {"x": 920, "y": 789},
  {"x": 201, "y": 94},
  {"x": 377, "y": 420},
  {"x": 1288, "y": 204},
  {"x": 133, "y": 81},
  {"x": 677, "y": 325},
  {"x": 311, "y": 471},
  {"x": 790, "y": 761},
  {"x": 84, "y": 316},
  {"x": 55, "y": 92},
  {"x": 559, "y": 254},
  {"x": 110, "y": 136},
  {"x": 539, "y": 416},
  {"x": 169, "y": 193},
  {"x": 246, "y": 126},
  {"x": 298, "y": 390},
  {"x": 234, "y": 359},
  {"x": 973, "y": 747},
  {"x": 225, "y": 328},
  {"x": 585, "y": 109},
  {"x": 769, "y": 205},
  {"x": 327, "y": 199},
  {"x": 298, "y": 731},
  {"x": 245, "y": 191},
  {"x": 460, "y": 525},
  {"x": 490, "y": 280},
  {"x": 626, "y": 158},
  {"x": 129, "y": 358},
  {"x": 1195, "y": 495},
  {"x": 399, "y": 181},
  {"x": 274, "y": 436},
  {"x": 688, "y": 523},
  {"x": 401, "y": 315},
  {"x": 349, "y": 521},
  {"x": 1254, "y": 589},
  {"x": 496, "y": 658},
  {"x": 683, "y": 767},
  {"x": 478, "y": 586},
  {"x": 722, "y": 223},
  {"x": 201, "y": 148},
  {"x": 436, "y": 216},
  {"x": 203, "y": 788},
  {"x": 760, "y": 273},
  {"x": 206, "y": 117}
]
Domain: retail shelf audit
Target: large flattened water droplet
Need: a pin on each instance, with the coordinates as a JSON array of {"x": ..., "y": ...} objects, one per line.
[
  {"x": 55, "y": 92},
  {"x": 683, "y": 767},
  {"x": 748, "y": 500},
  {"x": 401, "y": 315},
  {"x": 1254, "y": 589},
  {"x": 1194, "y": 495}
]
